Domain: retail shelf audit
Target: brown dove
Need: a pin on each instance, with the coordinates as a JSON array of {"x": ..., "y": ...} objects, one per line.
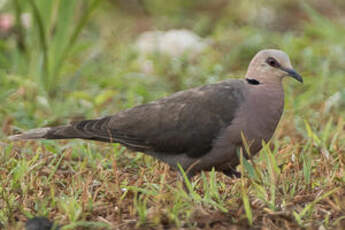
[{"x": 199, "y": 128}]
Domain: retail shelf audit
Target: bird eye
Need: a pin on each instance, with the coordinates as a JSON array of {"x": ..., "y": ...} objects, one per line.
[{"x": 272, "y": 62}]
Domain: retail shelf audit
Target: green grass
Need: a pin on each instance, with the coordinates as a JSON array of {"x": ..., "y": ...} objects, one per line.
[{"x": 86, "y": 66}]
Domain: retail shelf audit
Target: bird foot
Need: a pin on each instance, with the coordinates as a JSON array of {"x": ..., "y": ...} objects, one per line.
[{"x": 232, "y": 173}]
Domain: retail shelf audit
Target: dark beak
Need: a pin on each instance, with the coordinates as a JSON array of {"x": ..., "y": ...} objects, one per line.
[{"x": 293, "y": 74}]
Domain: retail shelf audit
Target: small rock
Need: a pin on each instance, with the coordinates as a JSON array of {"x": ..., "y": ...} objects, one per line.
[{"x": 173, "y": 43}]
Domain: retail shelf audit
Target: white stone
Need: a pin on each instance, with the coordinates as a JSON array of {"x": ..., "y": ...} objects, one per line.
[{"x": 174, "y": 43}]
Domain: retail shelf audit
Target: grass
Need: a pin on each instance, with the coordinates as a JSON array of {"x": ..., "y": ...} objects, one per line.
[{"x": 297, "y": 181}]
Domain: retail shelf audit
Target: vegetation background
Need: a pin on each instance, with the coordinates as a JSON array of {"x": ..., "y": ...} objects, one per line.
[{"x": 62, "y": 60}]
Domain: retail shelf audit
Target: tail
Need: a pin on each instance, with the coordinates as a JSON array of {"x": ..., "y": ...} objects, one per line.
[
  {"x": 102, "y": 129},
  {"x": 87, "y": 129}
]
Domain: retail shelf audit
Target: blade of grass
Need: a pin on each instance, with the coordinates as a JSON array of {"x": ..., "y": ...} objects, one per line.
[
  {"x": 20, "y": 30},
  {"x": 75, "y": 34},
  {"x": 244, "y": 193},
  {"x": 186, "y": 180},
  {"x": 309, "y": 207},
  {"x": 43, "y": 42},
  {"x": 273, "y": 170}
]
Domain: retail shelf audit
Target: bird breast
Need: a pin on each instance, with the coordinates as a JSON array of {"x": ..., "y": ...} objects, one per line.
[{"x": 257, "y": 118}]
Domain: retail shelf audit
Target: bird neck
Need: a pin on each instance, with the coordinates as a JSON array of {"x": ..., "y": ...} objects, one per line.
[
  {"x": 265, "y": 102},
  {"x": 264, "y": 83},
  {"x": 269, "y": 96}
]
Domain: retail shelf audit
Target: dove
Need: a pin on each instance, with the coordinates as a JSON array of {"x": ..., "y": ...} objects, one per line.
[{"x": 199, "y": 128}]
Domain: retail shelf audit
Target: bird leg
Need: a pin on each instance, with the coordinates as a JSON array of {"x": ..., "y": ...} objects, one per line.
[
  {"x": 189, "y": 174},
  {"x": 184, "y": 183}
]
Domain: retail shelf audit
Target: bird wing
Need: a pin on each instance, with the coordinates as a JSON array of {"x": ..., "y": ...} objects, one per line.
[{"x": 185, "y": 122}]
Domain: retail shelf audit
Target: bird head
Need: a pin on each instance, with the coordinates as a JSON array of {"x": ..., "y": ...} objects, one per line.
[{"x": 269, "y": 66}]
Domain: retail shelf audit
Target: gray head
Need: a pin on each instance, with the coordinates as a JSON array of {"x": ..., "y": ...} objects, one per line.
[{"x": 271, "y": 66}]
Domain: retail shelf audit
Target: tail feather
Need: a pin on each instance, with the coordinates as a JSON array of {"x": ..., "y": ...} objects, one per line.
[
  {"x": 86, "y": 129},
  {"x": 31, "y": 134},
  {"x": 59, "y": 132},
  {"x": 98, "y": 130}
]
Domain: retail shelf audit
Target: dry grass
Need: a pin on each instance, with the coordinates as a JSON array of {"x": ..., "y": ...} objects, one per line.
[{"x": 106, "y": 187}]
